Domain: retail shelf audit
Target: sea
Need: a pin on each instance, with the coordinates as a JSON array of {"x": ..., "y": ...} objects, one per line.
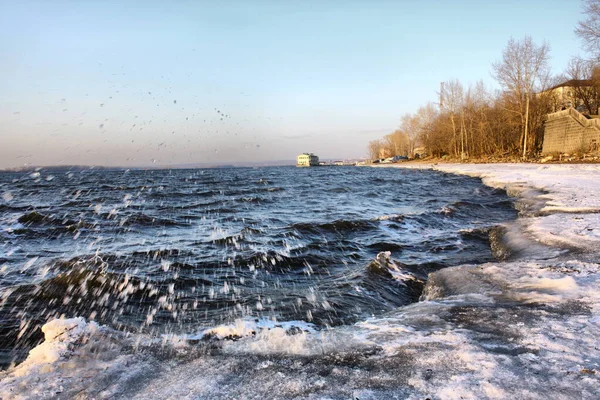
[{"x": 178, "y": 252}]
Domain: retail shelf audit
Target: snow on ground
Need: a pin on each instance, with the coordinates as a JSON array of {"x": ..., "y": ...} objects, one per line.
[{"x": 525, "y": 328}]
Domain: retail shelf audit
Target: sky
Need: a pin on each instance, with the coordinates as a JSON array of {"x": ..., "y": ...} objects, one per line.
[{"x": 132, "y": 83}]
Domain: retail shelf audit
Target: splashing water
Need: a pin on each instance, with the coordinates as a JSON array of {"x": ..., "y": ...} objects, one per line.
[{"x": 182, "y": 251}]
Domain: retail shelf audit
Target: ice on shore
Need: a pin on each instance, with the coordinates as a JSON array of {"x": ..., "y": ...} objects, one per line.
[
  {"x": 60, "y": 335},
  {"x": 524, "y": 328}
]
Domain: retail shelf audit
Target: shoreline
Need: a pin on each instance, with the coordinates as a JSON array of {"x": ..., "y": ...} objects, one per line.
[
  {"x": 525, "y": 327},
  {"x": 567, "y": 201}
]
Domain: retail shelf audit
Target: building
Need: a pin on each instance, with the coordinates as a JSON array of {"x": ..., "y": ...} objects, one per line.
[
  {"x": 307, "y": 160},
  {"x": 420, "y": 152},
  {"x": 582, "y": 94}
]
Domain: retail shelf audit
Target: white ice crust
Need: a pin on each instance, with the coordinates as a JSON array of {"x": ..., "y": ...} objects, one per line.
[{"x": 522, "y": 329}]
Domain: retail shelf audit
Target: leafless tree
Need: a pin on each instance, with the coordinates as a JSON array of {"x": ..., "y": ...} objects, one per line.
[
  {"x": 522, "y": 70},
  {"x": 397, "y": 143},
  {"x": 451, "y": 100},
  {"x": 375, "y": 147},
  {"x": 426, "y": 119},
  {"x": 589, "y": 29},
  {"x": 411, "y": 126},
  {"x": 476, "y": 124}
]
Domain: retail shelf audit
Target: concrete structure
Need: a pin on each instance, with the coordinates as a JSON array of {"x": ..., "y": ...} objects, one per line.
[
  {"x": 307, "y": 160},
  {"x": 569, "y": 131}
]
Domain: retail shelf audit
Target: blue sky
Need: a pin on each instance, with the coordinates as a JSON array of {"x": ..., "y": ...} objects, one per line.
[{"x": 154, "y": 82}]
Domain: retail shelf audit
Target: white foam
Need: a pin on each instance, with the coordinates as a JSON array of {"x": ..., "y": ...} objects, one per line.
[
  {"x": 250, "y": 327},
  {"x": 392, "y": 217}
]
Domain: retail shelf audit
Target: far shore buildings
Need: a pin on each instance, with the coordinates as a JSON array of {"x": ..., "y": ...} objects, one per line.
[{"x": 307, "y": 160}]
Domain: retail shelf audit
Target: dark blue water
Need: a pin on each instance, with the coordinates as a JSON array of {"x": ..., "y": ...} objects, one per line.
[{"x": 178, "y": 250}]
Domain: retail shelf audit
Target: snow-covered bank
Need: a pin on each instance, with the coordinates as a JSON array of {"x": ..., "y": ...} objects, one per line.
[{"x": 526, "y": 328}]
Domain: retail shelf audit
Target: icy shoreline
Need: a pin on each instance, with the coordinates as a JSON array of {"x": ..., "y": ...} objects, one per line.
[
  {"x": 523, "y": 328},
  {"x": 569, "y": 215}
]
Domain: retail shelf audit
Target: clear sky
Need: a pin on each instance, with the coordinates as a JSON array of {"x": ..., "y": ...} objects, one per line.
[{"x": 174, "y": 82}]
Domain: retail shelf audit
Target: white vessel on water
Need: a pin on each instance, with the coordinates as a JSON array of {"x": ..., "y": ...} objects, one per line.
[{"x": 307, "y": 160}]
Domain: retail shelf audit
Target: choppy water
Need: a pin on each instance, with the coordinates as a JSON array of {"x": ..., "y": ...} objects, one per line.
[{"x": 183, "y": 250}]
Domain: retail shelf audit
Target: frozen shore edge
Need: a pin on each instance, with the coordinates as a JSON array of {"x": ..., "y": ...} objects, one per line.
[
  {"x": 564, "y": 197},
  {"x": 523, "y": 328}
]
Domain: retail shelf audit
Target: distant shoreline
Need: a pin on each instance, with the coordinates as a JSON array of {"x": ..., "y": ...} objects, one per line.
[
  {"x": 500, "y": 160},
  {"x": 424, "y": 161}
]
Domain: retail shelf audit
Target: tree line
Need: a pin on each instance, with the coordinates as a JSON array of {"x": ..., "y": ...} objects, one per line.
[{"x": 470, "y": 121}]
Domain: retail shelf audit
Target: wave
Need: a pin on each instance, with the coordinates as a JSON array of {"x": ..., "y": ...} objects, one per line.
[
  {"x": 13, "y": 208},
  {"x": 248, "y": 230},
  {"x": 90, "y": 287},
  {"x": 192, "y": 206},
  {"x": 391, "y": 217},
  {"x": 273, "y": 189},
  {"x": 385, "y": 246},
  {"x": 80, "y": 287},
  {"x": 228, "y": 240},
  {"x": 142, "y": 219},
  {"x": 480, "y": 234},
  {"x": 253, "y": 200},
  {"x": 35, "y": 219},
  {"x": 224, "y": 211},
  {"x": 105, "y": 187},
  {"x": 103, "y": 289},
  {"x": 384, "y": 265},
  {"x": 464, "y": 206},
  {"x": 162, "y": 253},
  {"x": 274, "y": 261},
  {"x": 339, "y": 190},
  {"x": 339, "y": 226},
  {"x": 501, "y": 250},
  {"x": 179, "y": 195}
]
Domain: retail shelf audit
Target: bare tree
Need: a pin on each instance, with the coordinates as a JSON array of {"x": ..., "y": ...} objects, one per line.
[
  {"x": 476, "y": 122},
  {"x": 426, "y": 117},
  {"x": 411, "y": 126},
  {"x": 451, "y": 100},
  {"x": 397, "y": 142},
  {"x": 589, "y": 29},
  {"x": 375, "y": 147},
  {"x": 522, "y": 70},
  {"x": 419, "y": 127}
]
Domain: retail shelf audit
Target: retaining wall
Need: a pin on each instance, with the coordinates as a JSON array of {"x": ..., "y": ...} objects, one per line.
[{"x": 568, "y": 131}]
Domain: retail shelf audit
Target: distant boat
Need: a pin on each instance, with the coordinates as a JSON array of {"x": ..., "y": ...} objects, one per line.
[{"x": 307, "y": 160}]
